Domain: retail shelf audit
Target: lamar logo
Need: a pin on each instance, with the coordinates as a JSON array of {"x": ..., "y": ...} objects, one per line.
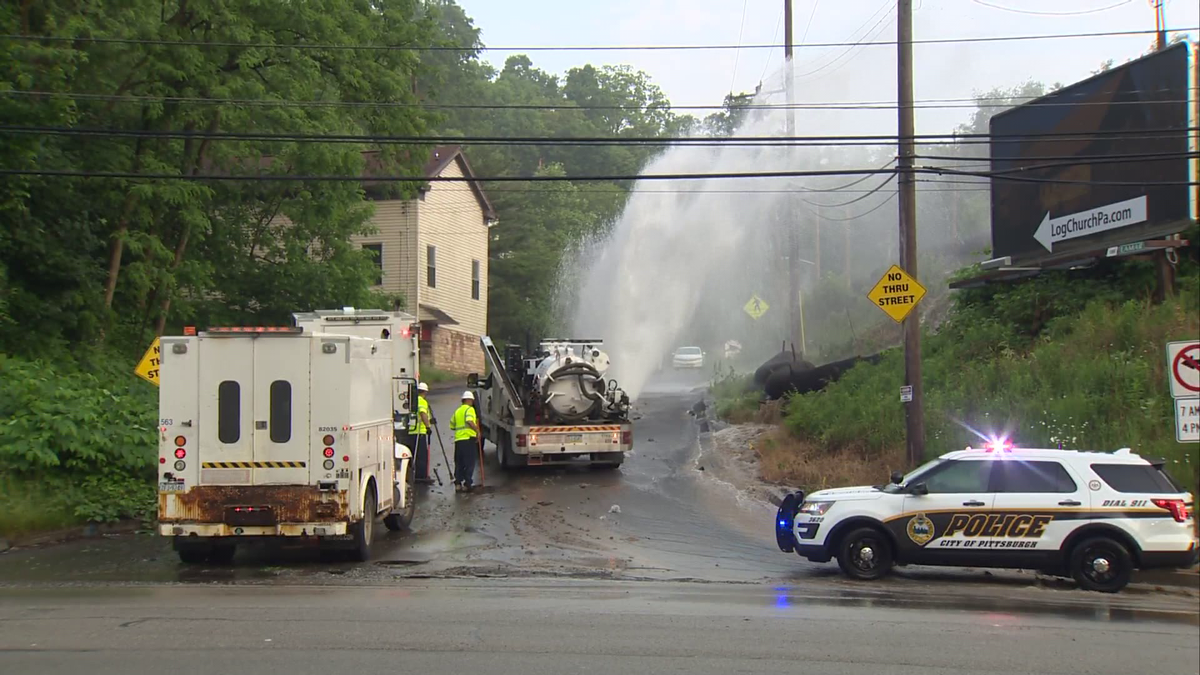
[
  {"x": 920, "y": 529},
  {"x": 998, "y": 525}
]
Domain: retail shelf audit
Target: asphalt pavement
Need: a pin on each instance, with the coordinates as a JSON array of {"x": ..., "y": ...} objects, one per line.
[
  {"x": 658, "y": 567},
  {"x": 536, "y": 627}
]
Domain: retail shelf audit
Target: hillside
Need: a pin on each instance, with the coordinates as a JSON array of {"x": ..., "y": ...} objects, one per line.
[{"x": 1072, "y": 359}]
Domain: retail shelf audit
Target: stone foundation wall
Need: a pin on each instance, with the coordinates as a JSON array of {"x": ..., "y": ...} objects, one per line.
[{"x": 455, "y": 352}]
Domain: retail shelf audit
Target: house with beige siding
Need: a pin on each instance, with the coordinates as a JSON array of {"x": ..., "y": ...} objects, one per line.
[{"x": 433, "y": 250}]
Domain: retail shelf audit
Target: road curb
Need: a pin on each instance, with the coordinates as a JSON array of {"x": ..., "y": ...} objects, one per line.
[{"x": 1179, "y": 578}]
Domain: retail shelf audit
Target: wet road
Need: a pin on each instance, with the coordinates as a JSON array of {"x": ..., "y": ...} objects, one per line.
[
  {"x": 551, "y": 627},
  {"x": 671, "y": 522}
]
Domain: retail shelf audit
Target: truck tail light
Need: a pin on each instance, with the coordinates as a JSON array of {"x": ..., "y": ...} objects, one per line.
[
  {"x": 328, "y": 440},
  {"x": 328, "y": 452},
  {"x": 627, "y": 437},
  {"x": 180, "y": 441},
  {"x": 1176, "y": 506},
  {"x": 180, "y": 453},
  {"x": 522, "y": 441}
]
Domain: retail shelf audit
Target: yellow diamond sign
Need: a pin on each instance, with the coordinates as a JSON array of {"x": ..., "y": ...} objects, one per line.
[
  {"x": 756, "y": 307},
  {"x": 897, "y": 293},
  {"x": 147, "y": 368}
]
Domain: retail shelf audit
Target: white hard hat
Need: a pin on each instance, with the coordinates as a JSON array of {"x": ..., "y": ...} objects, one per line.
[
  {"x": 468, "y": 396},
  {"x": 422, "y": 387}
]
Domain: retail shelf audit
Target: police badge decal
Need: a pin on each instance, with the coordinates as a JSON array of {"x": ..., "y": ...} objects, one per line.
[{"x": 920, "y": 529}]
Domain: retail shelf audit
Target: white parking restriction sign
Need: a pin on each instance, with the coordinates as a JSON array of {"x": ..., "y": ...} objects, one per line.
[
  {"x": 1187, "y": 420},
  {"x": 1183, "y": 368}
]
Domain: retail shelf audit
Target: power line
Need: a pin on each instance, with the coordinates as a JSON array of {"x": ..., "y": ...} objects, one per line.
[
  {"x": 557, "y": 48},
  {"x": 290, "y": 178},
  {"x": 702, "y": 141},
  {"x": 771, "y": 55},
  {"x": 932, "y": 103},
  {"x": 880, "y": 205},
  {"x": 737, "y": 54},
  {"x": 434, "y": 179},
  {"x": 879, "y": 187},
  {"x": 884, "y": 21},
  {"x": 1015, "y": 10}
]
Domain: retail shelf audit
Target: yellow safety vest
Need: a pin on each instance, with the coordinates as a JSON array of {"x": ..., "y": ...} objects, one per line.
[
  {"x": 458, "y": 423},
  {"x": 422, "y": 407}
]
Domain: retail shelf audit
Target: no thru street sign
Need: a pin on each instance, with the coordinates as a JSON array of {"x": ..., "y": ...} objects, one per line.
[{"x": 896, "y": 293}]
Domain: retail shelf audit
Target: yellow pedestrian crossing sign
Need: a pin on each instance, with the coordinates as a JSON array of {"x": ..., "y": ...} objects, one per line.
[
  {"x": 756, "y": 307},
  {"x": 897, "y": 293},
  {"x": 147, "y": 368}
]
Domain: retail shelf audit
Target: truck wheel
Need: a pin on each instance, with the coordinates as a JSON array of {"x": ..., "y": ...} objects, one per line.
[
  {"x": 1101, "y": 564},
  {"x": 192, "y": 553},
  {"x": 401, "y": 520},
  {"x": 364, "y": 530},
  {"x": 865, "y": 554},
  {"x": 504, "y": 451},
  {"x": 222, "y": 554},
  {"x": 613, "y": 461}
]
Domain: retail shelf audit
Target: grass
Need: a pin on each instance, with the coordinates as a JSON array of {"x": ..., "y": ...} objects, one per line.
[
  {"x": 1064, "y": 360},
  {"x": 431, "y": 375},
  {"x": 787, "y": 460},
  {"x": 28, "y": 508}
]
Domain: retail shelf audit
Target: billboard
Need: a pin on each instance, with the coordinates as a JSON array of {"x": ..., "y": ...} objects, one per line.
[{"x": 1075, "y": 171}]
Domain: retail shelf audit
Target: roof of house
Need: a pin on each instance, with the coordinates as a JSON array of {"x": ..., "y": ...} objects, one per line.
[{"x": 439, "y": 158}]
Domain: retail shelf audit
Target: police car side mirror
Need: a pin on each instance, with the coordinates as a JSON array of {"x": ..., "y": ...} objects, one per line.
[
  {"x": 897, "y": 477},
  {"x": 918, "y": 489}
]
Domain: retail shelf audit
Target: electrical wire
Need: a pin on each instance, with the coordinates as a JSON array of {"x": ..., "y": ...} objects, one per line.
[
  {"x": 884, "y": 21},
  {"x": 703, "y": 141},
  {"x": 808, "y": 26},
  {"x": 737, "y": 54},
  {"x": 1015, "y": 10},
  {"x": 864, "y": 214},
  {"x": 771, "y": 55},
  {"x": 932, "y": 103},
  {"x": 879, "y": 187},
  {"x": 559, "y": 48}
]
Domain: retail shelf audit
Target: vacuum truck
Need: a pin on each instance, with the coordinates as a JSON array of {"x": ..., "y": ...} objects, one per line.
[{"x": 553, "y": 406}]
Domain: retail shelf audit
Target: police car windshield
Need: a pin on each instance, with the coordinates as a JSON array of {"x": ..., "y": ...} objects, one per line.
[{"x": 893, "y": 488}]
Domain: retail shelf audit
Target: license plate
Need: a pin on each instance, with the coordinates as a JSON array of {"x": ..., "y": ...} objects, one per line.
[
  {"x": 574, "y": 439},
  {"x": 171, "y": 487}
]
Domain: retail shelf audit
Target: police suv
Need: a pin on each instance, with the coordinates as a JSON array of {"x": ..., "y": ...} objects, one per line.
[{"x": 1094, "y": 516}]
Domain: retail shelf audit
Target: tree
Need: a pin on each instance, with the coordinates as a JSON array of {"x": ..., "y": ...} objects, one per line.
[{"x": 83, "y": 253}]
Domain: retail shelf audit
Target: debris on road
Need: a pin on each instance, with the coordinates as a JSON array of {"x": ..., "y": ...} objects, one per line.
[
  {"x": 584, "y": 486},
  {"x": 614, "y": 509},
  {"x": 545, "y": 503}
]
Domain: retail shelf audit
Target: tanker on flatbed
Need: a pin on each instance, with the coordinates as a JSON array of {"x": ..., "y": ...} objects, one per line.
[{"x": 553, "y": 406}]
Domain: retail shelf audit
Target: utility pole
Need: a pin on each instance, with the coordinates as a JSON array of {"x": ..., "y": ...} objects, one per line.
[
  {"x": 1160, "y": 23},
  {"x": 795, "y": 317},
  {"x": 914, "y": 411},
  {"x": 1164, "y": 270}
]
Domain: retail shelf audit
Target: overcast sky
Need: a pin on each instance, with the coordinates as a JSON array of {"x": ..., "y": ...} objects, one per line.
[{"x": 829, "y": 74}]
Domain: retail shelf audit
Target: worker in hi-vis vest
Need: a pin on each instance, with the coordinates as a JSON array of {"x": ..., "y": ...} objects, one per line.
[
  {"x": 424, "y": 422},
  {"x": 465, "y": 425}
]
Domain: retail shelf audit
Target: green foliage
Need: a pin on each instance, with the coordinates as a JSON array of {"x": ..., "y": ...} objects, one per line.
[
  {"x": 734, "y": 397},
  {"x": 77, "y": 441}
]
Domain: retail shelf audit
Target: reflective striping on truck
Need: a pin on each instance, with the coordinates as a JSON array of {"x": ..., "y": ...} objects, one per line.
[
  {"x": 556, "y": 429},
  {"x": 254, "y": 465}
]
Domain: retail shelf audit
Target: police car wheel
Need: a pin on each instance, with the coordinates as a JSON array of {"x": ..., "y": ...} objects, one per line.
[
  {"x": 865, "y": 554},
  {"x": 1101, "y": 564}
]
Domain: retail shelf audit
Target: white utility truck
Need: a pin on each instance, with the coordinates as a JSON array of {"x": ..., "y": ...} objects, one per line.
[
  {"x": 553, "y": 406},
  {"x": 285, "y": 432}
]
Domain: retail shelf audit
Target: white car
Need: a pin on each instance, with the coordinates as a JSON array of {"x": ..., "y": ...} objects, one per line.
[
  {"x": 1094, "y": 516},
  {"x": 687, "y": 357}
]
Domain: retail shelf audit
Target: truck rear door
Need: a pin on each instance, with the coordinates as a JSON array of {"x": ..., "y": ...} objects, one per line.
[
  {"x": 281, "y": 395},
  {"x": 226, "y": 410}
]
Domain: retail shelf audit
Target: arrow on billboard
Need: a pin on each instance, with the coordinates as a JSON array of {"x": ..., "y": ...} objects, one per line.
[{"x": 1092, "y": 221}]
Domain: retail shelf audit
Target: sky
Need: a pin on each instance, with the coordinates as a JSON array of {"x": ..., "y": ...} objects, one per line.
[{"x": 830, "y": 74}]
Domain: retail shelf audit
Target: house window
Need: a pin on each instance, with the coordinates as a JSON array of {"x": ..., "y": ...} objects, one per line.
[
  {"x": 376, "y": 251},
  {"x": 431, "y": 268},
  {"x": 474, "y": 279}
]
